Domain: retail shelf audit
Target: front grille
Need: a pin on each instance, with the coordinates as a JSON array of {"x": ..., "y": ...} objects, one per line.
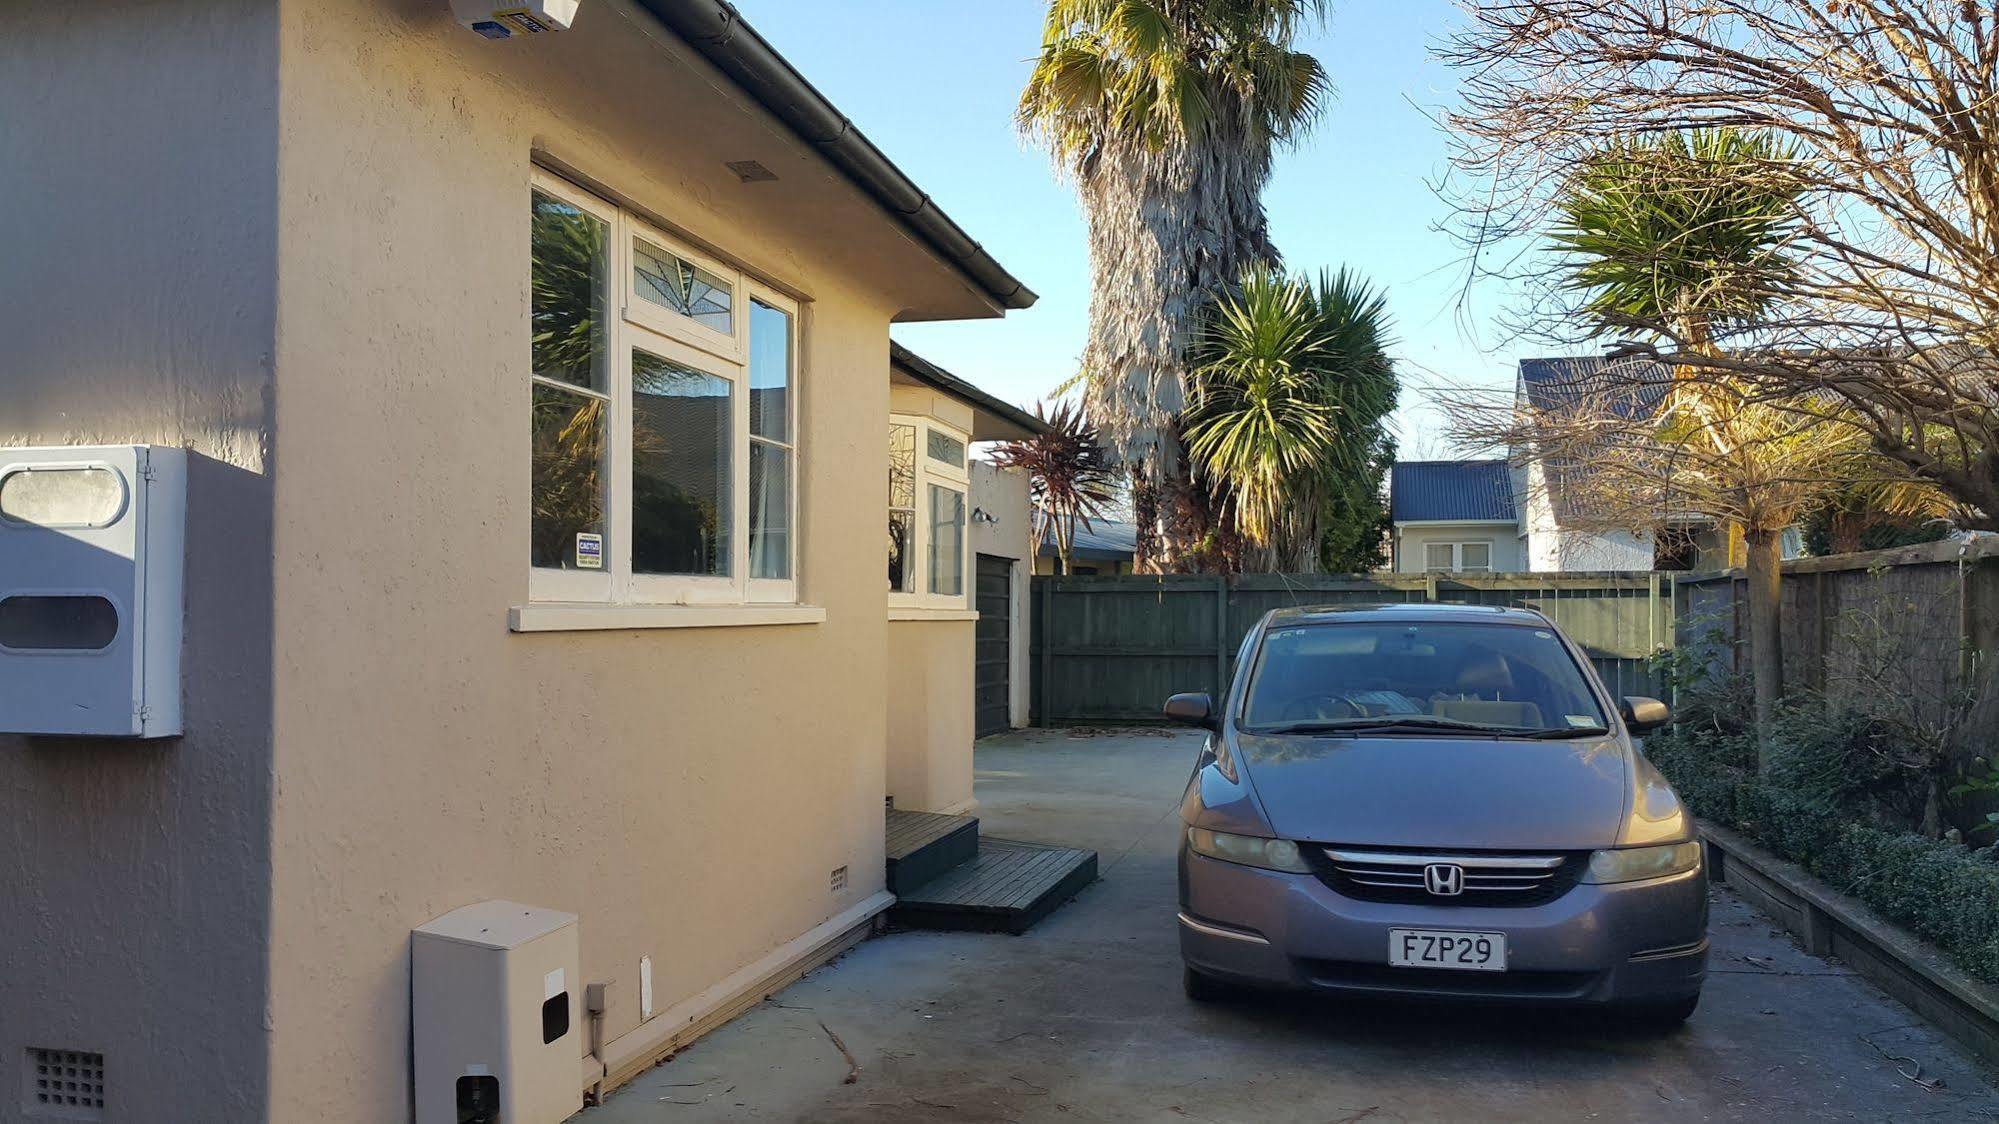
[
  {"x": 1490, "y": 878},
  {"x": 1350, "y": 975}
]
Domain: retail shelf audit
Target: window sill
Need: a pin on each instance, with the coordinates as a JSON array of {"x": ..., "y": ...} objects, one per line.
[
  {"x": 920, "y": 613},
  {"x": 555, "y": 616}
]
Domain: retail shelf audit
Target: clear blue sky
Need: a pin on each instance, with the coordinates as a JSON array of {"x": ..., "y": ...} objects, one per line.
[{"x": 933, "y": 83}]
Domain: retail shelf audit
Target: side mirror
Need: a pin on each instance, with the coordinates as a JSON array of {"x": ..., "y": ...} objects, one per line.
[
  {"x": 1194, "y": 709},
  {"x": 1642, "y": 714}
]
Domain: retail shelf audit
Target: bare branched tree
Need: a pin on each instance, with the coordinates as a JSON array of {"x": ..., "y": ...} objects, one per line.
[
  {"x": 1884, "y": 122},
  {"x": 1634, "y": 450}
]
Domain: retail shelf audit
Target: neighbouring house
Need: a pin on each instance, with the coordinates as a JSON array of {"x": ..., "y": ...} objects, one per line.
[
  {"x": 958, "y": 537},
  {"x": 1554, "y": 516},
  {"x": 1556, "y": 531},
  {"x": 1104, "y": 548},
  {"x": 1453, "y": 516},
  {"x": 531, "y": 397}
]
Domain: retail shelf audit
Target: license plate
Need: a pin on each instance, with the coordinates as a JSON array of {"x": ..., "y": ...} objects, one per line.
[{"x": 1447, "y": 948}]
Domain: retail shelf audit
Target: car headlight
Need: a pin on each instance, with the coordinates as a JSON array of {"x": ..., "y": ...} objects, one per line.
[
  {"x": 1629, "y": 864},
  {"x": 1249, "y": 850}
]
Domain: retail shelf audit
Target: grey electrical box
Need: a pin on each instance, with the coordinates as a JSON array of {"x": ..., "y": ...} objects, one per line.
[{"x": 495, "y": 1010}]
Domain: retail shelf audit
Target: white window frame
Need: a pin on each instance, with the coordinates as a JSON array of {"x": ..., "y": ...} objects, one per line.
[
  {"x": 633, "y": 324},
  {"x": 929, "y": 471},
  {"x": 1457, "y": 549},
  {"x": 775, "y": 591}
]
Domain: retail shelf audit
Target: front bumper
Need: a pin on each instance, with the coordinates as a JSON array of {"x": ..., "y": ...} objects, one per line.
[{"x": 1632, "y": 941}]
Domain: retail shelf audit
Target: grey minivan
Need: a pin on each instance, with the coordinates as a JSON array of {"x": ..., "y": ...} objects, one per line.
[{"x": 1435, "y": 801}]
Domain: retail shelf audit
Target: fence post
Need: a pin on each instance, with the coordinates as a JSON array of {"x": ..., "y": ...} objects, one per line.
[
  {"x": 1221, "y": 638},
  {"x": 1047, "y": 651}
]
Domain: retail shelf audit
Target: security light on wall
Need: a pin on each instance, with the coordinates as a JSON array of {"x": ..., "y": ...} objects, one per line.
[{"x": 504, "y": 19}]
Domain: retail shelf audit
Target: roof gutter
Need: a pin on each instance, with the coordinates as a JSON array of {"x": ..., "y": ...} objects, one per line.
[
  {"x": 718, "y": 31},
  {"x": 937, "y": 378}
]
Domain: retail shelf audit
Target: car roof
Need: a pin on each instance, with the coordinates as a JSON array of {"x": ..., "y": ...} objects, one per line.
[{"x": 1429, "y": 611}]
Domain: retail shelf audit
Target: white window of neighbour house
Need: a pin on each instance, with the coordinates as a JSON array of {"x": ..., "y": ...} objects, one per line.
[
  {"x": 1458, "y": 557},
  {"x": 928, "y": 514},
  {"x": 665, "y": 453}
]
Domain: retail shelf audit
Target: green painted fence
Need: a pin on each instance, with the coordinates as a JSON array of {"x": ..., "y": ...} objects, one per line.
[{"x": 1110, "y": 649}]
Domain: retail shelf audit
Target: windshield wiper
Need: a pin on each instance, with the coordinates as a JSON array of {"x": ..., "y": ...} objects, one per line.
[
  {"x": 1385, "y": 722},
  {"x": 1424, "y": 722},
  {"x": 1553, "y": 733}
]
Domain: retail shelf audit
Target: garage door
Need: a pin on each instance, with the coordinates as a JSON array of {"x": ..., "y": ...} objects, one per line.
[{"x": 992, "y": 661}]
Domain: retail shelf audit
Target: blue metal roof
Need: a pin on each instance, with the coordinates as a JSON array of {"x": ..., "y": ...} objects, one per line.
[
  {"x": 1101, "y": 541},
  {"x": 1453, "y": 491}
]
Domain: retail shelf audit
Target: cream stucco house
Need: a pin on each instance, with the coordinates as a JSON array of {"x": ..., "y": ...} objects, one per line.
[{"x": 534, "y": 403}]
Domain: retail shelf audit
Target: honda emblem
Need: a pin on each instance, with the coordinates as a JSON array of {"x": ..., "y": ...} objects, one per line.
[{"x": 1445, "y": 880}]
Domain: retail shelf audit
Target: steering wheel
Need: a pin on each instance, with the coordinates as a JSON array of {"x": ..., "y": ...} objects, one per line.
[{"x": 1312, "y": 707}]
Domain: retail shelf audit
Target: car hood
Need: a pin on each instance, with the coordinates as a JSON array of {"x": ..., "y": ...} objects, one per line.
[{"x": 1443, "y": 792}]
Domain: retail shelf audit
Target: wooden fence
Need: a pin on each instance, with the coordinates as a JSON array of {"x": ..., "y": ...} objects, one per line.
[
  {"x": 1110, "y": 649},
  {"x": 1912, "y": 621}
]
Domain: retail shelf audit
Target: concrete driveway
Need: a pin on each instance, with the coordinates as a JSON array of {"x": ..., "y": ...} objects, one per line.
[{"x": 1082, "y": 1019}]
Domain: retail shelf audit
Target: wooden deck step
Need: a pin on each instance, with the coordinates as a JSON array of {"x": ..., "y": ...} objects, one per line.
[
  {"x": 1006, "y": 889},
  {"x": 923, "y": 846}
]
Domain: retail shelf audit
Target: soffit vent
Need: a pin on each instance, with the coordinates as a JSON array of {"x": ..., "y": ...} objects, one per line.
[
  {"x": 63, "y": 1085},
  {"x": 749, "y": 171}
]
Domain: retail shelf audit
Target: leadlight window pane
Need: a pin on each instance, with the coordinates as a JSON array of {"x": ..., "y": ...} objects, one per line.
[
  {"x": 680, "y": 468},
  {"x": 567, "y": 525},
  {"x": 901, "y": 541},
  {"x": 946, "y": 448},
  {"x": 770, "y": 372},
  {"x": 947, "y": 542},
  {"x": 678, "y": 285},
  {"x": 567, "y": 295},
  {"x": 770, "y": 511},
  {"x": 902, "y": 466}
]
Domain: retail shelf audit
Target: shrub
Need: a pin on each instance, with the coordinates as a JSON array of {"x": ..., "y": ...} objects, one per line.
[{"x": 1824, "y": 806}]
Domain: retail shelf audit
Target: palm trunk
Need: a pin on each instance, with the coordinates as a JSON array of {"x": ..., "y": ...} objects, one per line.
[
  {"x": 1168, "y": 230},
  {"x": 1764, "y": 577}
]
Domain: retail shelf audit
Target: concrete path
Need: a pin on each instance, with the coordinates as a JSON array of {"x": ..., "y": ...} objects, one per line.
[{"x": 1082, "y": 1019}]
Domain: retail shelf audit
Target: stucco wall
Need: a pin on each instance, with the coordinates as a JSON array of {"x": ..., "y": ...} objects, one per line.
[
  {"x": 1003, "y": 495},
  {"x": 138, "y": 165},
  {"x": 1503, "y": 537},
  {"x": 686, "y": 792},
  {"x": 929, "y": 683}
]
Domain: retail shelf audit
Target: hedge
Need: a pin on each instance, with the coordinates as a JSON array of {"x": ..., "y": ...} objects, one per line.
[{"x": 1942, "y": 891}]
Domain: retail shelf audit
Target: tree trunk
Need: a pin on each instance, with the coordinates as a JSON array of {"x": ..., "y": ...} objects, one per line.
[
  {"x": 1145, "y": 524},
  {"x": 1764, "y": 575}
]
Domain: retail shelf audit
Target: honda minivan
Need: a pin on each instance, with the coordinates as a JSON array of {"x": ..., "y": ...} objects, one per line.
[{"x": 1435, "y": 801}]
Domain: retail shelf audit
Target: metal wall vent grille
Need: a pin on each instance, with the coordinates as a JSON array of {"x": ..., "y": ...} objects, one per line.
[
  {"x": 839, "y": 879},
  {"x": 749, "y": 171},
  {"x": 64, "y": 1085}
]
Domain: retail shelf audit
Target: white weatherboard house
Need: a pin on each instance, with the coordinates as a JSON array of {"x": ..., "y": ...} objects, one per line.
[
  {"x": 1556, "y": 531},
  {"x": 530, "y": 393},
  {"x": 1453, "y": 516}
]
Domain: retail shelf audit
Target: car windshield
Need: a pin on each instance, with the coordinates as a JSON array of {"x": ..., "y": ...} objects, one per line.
[{"x": 1446, "y": 675}]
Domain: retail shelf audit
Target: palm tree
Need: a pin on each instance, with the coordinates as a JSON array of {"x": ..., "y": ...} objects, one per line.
[
  {"x": 1692, "y": 231},
  {"x": 1166, "y": 113},
  {"x": 1069, "y": 477},
  {"x": 1290, "y": 392}
]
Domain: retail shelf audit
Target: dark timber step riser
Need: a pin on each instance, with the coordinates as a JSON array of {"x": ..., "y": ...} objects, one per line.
[
  {"x": 1007, "y": 889},
  {"x": 924, "y": 846}
]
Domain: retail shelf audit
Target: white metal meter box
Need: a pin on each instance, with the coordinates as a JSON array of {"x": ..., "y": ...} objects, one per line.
[
  {"x": 504, "y": 19},
  {"x": 494, "y": 1005},
  {"x": 91, "y": 546}
]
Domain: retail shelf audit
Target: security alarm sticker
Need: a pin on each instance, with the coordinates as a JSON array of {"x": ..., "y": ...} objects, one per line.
[{"x": 589, "y": 551}]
